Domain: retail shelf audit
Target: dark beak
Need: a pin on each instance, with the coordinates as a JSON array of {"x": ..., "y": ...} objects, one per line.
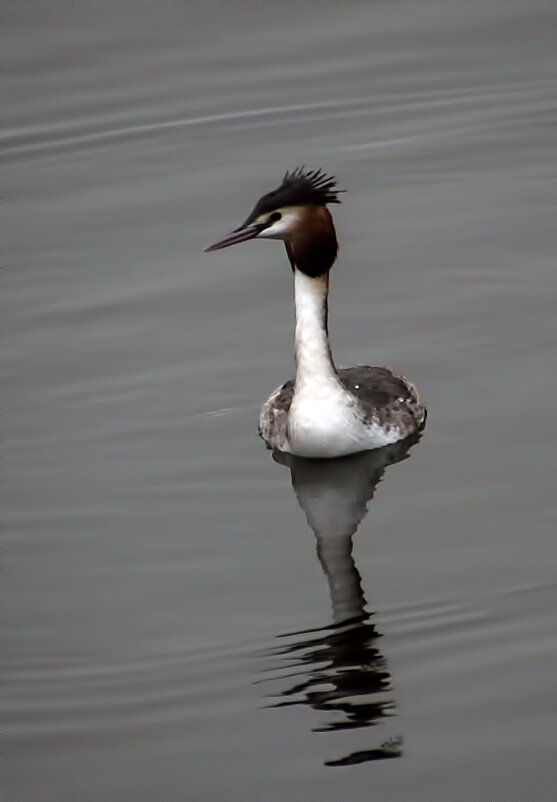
[{"x": 241, "y": 234}]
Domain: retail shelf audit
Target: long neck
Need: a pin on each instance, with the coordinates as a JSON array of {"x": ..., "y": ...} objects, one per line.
[
  {"x": 313, "y": 354},
  {"x": 311, "y": 250}
]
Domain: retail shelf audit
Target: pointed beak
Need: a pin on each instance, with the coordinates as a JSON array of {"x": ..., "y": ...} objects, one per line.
[{"x": 241, "y": 234}]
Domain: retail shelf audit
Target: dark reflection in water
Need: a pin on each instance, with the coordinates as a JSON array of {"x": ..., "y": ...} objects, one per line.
[{"x": 339, "y": 669}]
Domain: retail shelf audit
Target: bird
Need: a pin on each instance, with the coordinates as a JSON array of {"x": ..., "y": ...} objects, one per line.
[{"x": 324, "y": 412}]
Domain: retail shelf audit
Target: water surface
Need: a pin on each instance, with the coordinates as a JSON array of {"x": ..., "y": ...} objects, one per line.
[{"x": 184, "y": 617}]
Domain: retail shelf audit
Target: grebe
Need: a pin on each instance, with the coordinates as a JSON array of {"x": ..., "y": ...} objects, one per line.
[{"x": 324, "y": 412}]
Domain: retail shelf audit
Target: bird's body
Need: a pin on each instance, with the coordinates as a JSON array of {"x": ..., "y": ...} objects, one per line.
[
  {"x": 324, "y": 412},
  {"x": 374, "y": 408}
]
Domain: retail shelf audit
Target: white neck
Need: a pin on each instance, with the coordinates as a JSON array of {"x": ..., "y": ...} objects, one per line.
[{"x": 313, "y": 356}]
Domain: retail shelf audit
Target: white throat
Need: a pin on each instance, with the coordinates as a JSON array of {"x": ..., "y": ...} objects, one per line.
[
  {"x": 314, "y": 364},
  {"x": 320, "y": 412}
]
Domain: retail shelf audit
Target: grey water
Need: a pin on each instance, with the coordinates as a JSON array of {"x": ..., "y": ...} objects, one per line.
[{"x": 185, "y": 617}]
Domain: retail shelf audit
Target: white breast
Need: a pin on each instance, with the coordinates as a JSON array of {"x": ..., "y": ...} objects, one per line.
[{"x": 325, "y": 423}]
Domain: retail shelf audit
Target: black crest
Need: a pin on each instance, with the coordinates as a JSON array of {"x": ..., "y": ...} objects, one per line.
[{"x": 301, "y": 187}]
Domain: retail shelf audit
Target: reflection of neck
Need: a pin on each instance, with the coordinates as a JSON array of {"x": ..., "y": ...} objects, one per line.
[
  {"x": 334, "y": 495},
  {"x": 334, "y": 505},
  {"x": 345, "y": 584},
  {"x": 313, "y": 354}
]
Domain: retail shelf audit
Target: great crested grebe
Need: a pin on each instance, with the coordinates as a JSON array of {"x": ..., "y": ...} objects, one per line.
[{"x": 324, "y": 411}]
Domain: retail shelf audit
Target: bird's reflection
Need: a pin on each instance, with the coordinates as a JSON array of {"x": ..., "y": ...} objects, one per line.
[{"x": 339, "y": 669}]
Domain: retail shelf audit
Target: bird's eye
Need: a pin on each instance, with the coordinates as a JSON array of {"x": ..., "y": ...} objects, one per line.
[{"x": 274, "y": 217}]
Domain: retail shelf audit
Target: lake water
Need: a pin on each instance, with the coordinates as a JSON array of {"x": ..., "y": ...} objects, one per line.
[{"x": 186, "y": 618}]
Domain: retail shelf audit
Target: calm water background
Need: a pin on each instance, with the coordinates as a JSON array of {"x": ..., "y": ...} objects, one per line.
[{"x": 154, "y": 551}]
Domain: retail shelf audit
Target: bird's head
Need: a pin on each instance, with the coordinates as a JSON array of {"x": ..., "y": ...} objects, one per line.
[{"x": 296, "y": 213}]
